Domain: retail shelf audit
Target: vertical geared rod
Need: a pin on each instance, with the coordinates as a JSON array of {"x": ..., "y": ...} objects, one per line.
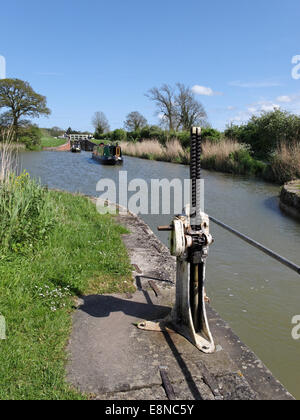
[
  {"x": 195, "y": 175},
  {"x": 189, "y": 243}
]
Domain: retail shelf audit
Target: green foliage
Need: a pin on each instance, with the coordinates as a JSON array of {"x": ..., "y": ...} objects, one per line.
[
  {"x": 233, "y": 158},
  {"x": 211, "y": 134},
  {"x": 82, "y": 253},
  {"x": 118, "y": 135},
  {"x": 31, "y": 136},
  {"x": 266, "y": 132},
  {"x": 21, "y": 101},
  {"x": 152, "y": 132},
  {"x": 134, "y": 135},
  {"x": 244, "y": 163},
  {"x": 102, "y": 136},
  {"x": 26, "y": 211}
]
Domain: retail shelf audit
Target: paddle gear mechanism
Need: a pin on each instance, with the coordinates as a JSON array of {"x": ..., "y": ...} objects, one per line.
[{"x": 189, "y": 242}]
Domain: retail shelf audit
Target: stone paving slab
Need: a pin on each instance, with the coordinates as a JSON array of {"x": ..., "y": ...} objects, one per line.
[{"x": 109, "y": 355}]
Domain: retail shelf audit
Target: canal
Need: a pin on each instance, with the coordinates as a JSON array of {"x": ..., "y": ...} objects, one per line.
[{"x": 256, "y": 295}]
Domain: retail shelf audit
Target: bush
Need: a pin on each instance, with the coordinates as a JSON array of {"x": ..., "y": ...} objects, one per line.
[
  {"x": 103, "y": 136},
  {"x": 31, "y": 136},
  {"x": 246, "y": 164},
  {"x": 118, "y": 135},
  {"x": 212, "y": 135},
  {"x": 232, "y": 157},
  {"x": 134, "y": 135},
  {"x": 152, "y": 132},
  {"x": 266, "y": 132}
]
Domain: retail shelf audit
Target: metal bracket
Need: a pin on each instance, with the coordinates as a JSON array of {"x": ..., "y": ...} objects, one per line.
[{"x": 181, "y": 319}]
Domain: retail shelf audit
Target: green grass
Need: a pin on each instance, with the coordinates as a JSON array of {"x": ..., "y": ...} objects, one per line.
[
  {"x": 48, "y": 141},
  {"x": 102, "y": 141},
  {"x": 83, "y": 254}
]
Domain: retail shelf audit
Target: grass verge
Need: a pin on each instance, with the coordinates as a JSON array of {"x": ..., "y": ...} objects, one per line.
[
  {"x": 47, "y": 141},
  {"x": 83, "y": 253}
]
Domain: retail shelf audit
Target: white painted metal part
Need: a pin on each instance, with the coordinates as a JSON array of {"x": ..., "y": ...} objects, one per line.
[
  {"x": 181, "y": 318},
  {"x": 177, "y": 240}
]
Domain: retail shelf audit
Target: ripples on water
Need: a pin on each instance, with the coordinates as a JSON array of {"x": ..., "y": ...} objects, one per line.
[{"x": 255, "y": 294}]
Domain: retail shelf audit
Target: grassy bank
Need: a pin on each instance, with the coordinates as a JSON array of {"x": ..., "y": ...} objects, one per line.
[
  {"x": 54, "y": 246},
  {"x": 48, "y": 141}
]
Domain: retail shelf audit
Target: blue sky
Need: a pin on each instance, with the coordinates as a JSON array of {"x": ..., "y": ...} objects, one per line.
[{"x": 94, "y": 55}]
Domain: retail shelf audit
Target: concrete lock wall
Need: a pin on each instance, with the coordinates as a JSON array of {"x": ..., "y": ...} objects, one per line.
[{"x": 290, "y": 198}]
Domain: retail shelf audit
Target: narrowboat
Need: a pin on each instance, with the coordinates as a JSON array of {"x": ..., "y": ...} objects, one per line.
[
  {"x": 76, "y": 148},
  {"x": 108, "y": 155}
]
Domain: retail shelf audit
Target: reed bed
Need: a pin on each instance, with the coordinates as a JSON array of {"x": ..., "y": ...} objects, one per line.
[
  {"x": 285, "y": 162},
  {"x": 224, "y": 155},
  {"x": 220, "y": 151},
  {"x": 215, "y": 153},
  {"x": 153, "y": 150}
]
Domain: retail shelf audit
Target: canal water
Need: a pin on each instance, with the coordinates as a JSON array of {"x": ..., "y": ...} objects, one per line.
[{"x": 255, "y": 294}]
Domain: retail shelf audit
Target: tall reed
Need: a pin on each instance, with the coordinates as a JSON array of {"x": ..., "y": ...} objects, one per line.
[
  {"x": 8, "y": 154},
  {"x": 220, "y": 150},
  {"x": 152, "y": 149},
  {"x": 26, "y": 208},
  {"x": 285, "y": 162},
  {"x": 224, "y": 155}
]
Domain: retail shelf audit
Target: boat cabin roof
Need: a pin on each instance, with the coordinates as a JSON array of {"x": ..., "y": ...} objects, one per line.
[{"x": 110, "y": 150}]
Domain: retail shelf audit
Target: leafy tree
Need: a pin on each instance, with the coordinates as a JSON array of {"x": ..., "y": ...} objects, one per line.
[
  {"x": 100, "y": 123},
  {"x": 135, "y": 121},
  {"x": 21, "y": 101}
]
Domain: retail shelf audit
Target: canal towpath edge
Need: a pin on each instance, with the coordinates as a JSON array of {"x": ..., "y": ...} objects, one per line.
[{"x": 110, "y": 359}]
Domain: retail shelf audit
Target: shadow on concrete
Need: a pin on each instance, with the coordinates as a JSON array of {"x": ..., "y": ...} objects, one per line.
[
  {"x": 101, "y": 306},
  {"x": 185, "y": 370}
]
